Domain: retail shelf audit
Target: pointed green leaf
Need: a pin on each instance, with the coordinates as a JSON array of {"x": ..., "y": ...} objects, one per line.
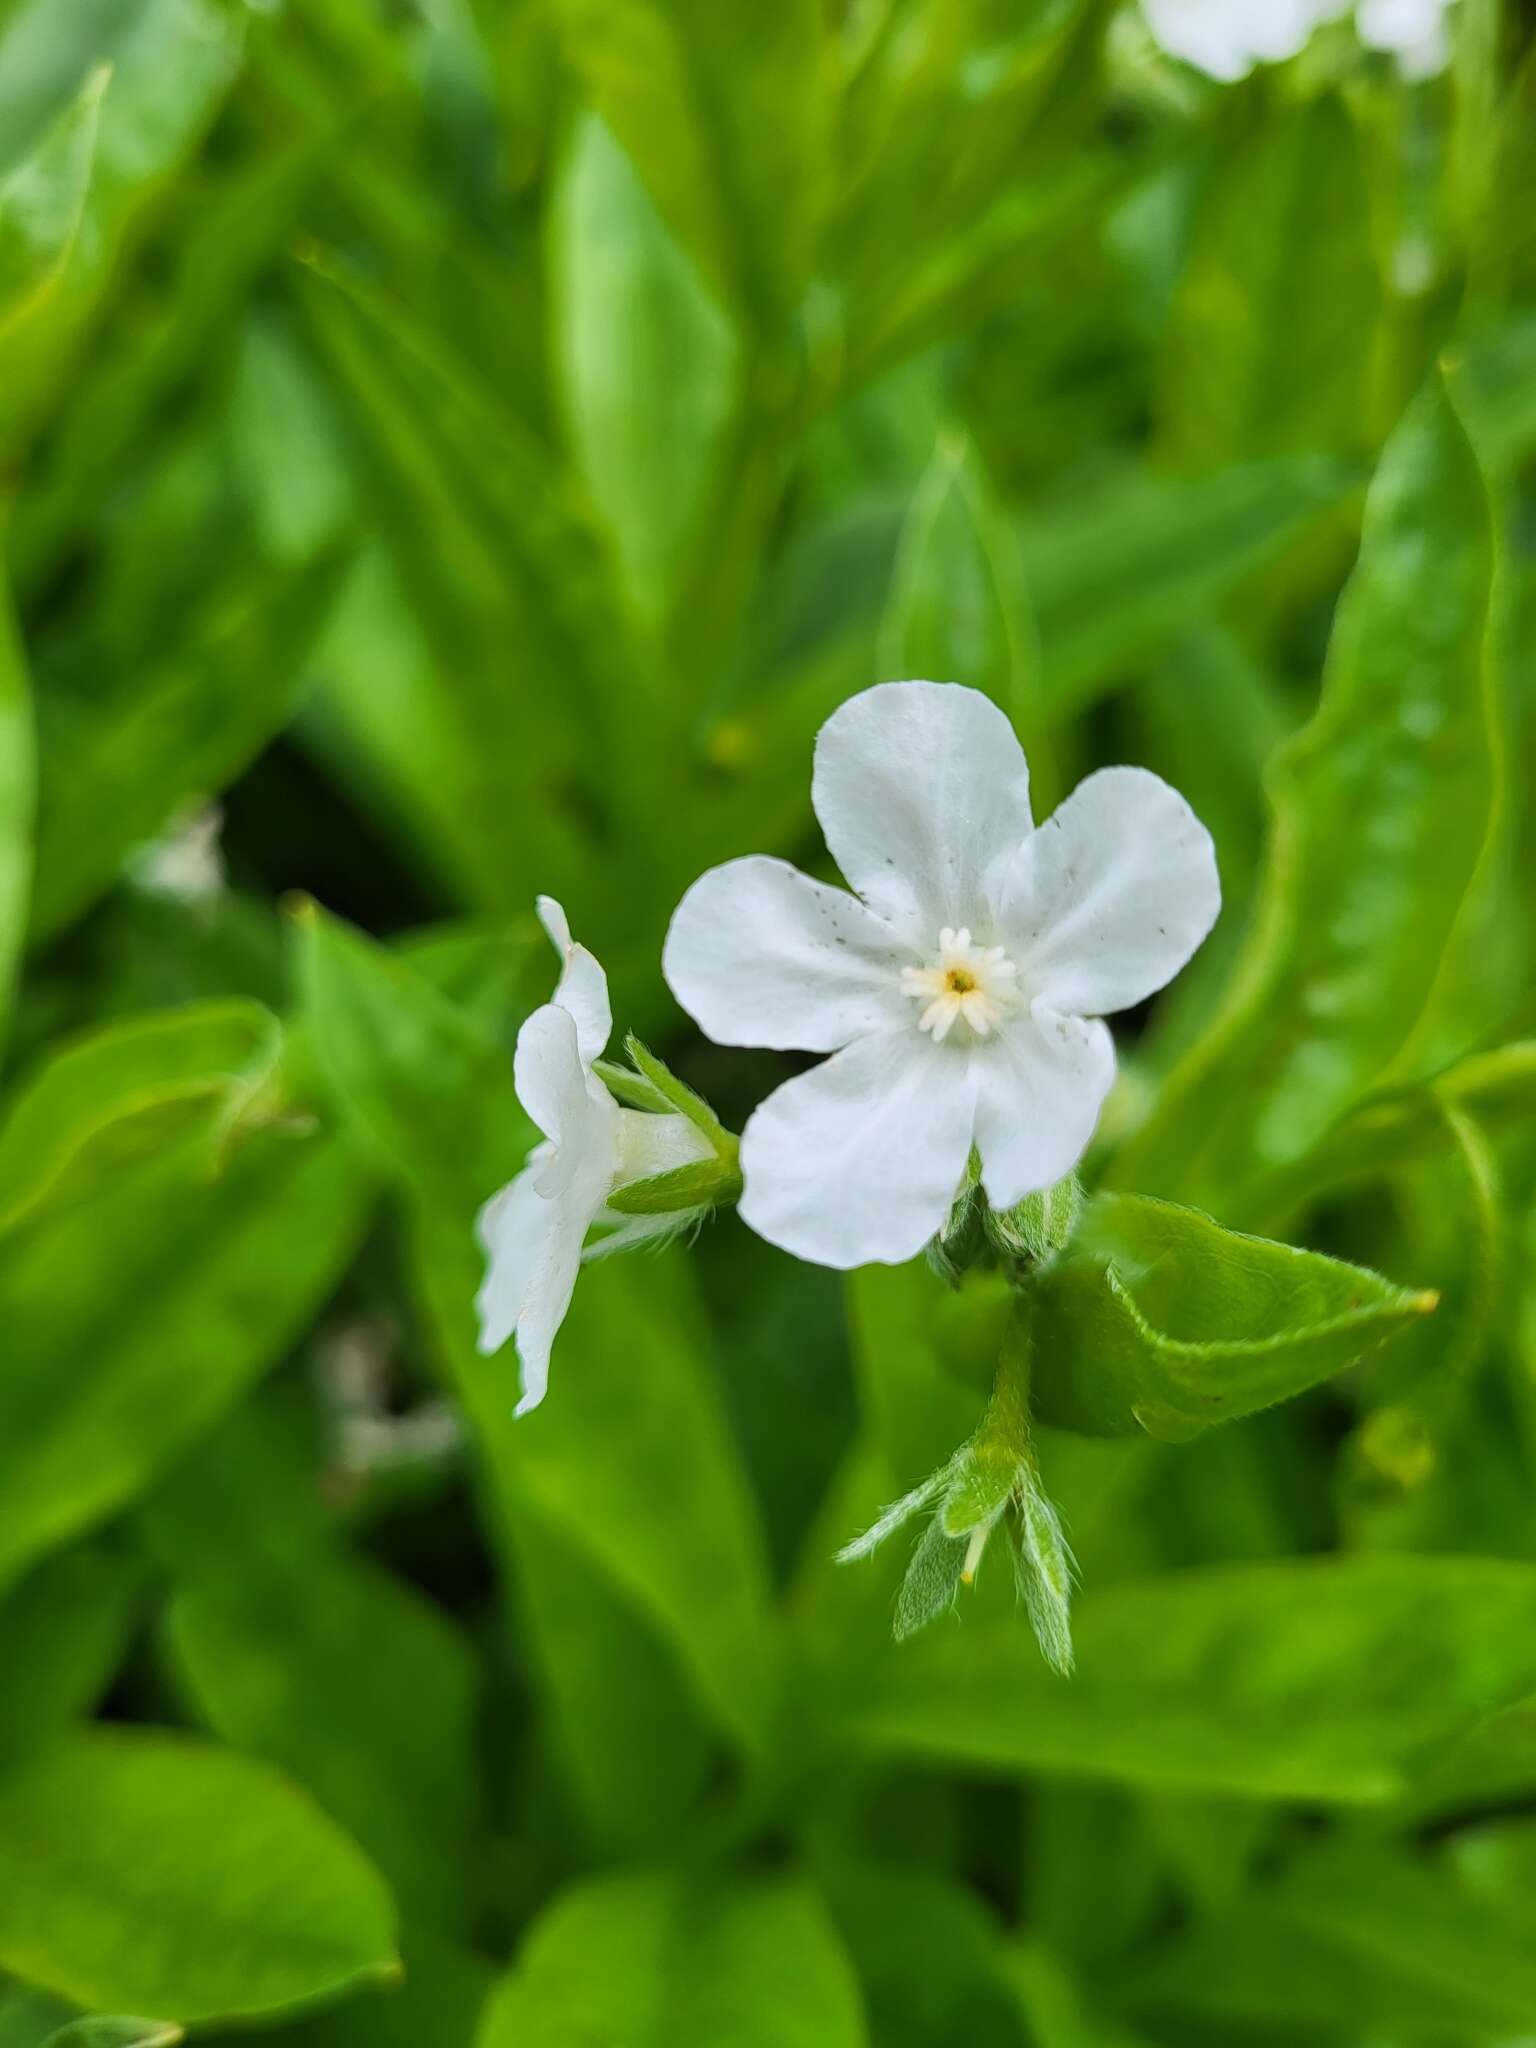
[
  {"x": 1384, "y": 805},
  {"x": 958, "y": 607},
  {"x": 1268, "y": 347},
  {"x": 1161, "y": 1320},
  {"x": 723, "y": 110},
  {"x": 647, "y": 362}
]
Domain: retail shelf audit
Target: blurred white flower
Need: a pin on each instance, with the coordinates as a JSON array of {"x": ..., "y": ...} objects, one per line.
[
  {"x": 534, "y": 1231},
  {"x": 1413, "y": 31},
  {"x": 957, "y": 990},
  {"x": 1227, "y": 38},
  {"x": 185, "y": 862}
]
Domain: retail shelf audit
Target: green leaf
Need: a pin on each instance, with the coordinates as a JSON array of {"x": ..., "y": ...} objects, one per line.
[
  {"x": 1118, "y": 570},
  {"x": 66, "y": 1626},
  {"x": 103, "y": 2032},
  {"x": 155, "y": 1075},
  {"x": 753, "y": 1964},
  {"x": 437, "y": 1998},
  {"x": 292, "y": 1646},
  {"x": 171, "y": 63},
  {"x": 958, "y": 607},
  {"x": 631, "y": 1394},
  {"x": 17, "y": 799},
  {"x": 145, "y": 1869},
  {"x": 429, "y": 1089},
  {"x": 115, "y": 768},
  {"x": 1359, "y": 1937},
  {"x": 1162, "y": 1320},
  {"x": 160, "y": 1273},
  {"x": 1268, "y": 347},
  {"x": 723, "y": 112},
  {"x": 647, "y": 363},
  {"x": 1383, "y": 808},
  {"x": 1327, "y": 1679},
  {"x": 42, "y": 202}
]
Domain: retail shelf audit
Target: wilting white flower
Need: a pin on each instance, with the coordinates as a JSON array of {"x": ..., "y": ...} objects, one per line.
[
  {"x": 534, "y": 1231},
  {"x": 957, "y": 991}
]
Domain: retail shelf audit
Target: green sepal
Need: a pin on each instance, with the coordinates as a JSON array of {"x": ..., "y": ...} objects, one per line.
[
  {"x": 703, "y": 1184},
  {"x": 630, "y": 1088},
  {"x": 932, "y": 1581},
  {"x": 985, "y": 1475},
  {"x": 679, "y": 1096},
  {"x": 1040, "y": 1226}
]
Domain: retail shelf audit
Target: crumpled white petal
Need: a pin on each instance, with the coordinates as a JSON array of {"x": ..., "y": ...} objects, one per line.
[
  {"x": 1112, "y": 895},
  {"x": 759, "y": 954},
  {"x": 918, "y": 787},
  {"x": 582, "y": 990},
  {"x": 1039, "y": 1091},
  {"x": 856, "y": 1162}
]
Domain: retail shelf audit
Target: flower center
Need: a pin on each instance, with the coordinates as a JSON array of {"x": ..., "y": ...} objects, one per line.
[{"x": 963, "y": 984}]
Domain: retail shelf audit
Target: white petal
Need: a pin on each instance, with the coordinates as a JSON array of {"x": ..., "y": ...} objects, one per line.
[
  {"x": 1040, "y": 1087},
  {"x": 758, "y": 954},
  {"x": 511, "y": 1228},
  {"x": 533, "y": 1244},
  {"x": 548, "y": 1294},
  {"x": 582, "y": 990},
  {"x": 547, "y": 1071},
  {"x": 572, "y": 1109},
  {"x": 1112, "y": 894},
  {"x": 920, "y": 787},
  {"x": 857, "y": 1161}
]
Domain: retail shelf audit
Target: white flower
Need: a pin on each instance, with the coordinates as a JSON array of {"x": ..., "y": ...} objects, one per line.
[
  {"x": 534, "y": 1231},
  {"x": 1227, "y": 38},
  {"x": 956, "y": 990},
  {"x": 1413, "y": 31}
]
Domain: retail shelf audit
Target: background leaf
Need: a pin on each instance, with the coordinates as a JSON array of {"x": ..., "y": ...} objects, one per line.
[{"x": 105, "y": 1837}]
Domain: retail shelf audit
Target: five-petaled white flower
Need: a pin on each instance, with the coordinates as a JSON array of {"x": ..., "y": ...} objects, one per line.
[
  {"x": 534, "y": 1231},
  {"x": 957, "y": 991}
]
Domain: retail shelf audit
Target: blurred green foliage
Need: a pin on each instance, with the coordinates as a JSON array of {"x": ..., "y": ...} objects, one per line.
[{"x": 475, "y": 444}]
